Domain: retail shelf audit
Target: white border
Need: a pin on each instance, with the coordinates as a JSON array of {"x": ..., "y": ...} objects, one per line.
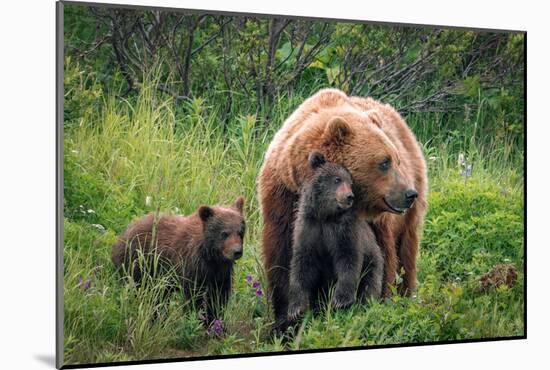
[{"x": 27, "y": 188}]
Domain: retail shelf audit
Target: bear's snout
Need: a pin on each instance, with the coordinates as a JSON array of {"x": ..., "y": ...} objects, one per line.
[
  {"x": 345, "y": 196},
  {"x": 238, "y": 252},
  {"x": 233, "y": 251},
  {"x": 349, "y": 199},
  {"x": 345, "y": 200},
  {"x": 410, "y": 197},
  {"x": 399, "y": 202}
]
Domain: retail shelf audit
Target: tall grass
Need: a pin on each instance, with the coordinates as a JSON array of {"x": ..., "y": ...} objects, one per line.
[{"x": 125, "y": 158}]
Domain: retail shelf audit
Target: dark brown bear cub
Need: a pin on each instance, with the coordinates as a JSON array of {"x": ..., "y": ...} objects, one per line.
[
  {"x": 201, "y": 248},
  {"x": 331, "y": 244}
]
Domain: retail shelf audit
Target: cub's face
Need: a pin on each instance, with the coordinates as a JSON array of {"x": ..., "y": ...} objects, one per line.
[
  {"x": 331, "y": 186},
  {"x": 381, "y": 184},
  {"x": 224, "y": 229}
]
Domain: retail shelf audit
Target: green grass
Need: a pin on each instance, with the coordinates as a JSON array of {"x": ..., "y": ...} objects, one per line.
[{"x": 119, "y": 153}]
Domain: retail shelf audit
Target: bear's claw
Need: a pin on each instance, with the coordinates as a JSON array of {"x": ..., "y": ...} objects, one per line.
[
  {"x": 295, "y": 312},
  {"x": 342, "y": 302}
]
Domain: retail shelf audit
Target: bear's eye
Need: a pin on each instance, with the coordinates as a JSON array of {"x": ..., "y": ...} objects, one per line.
[
  {"x": 337, "y": 180},
  {"x": 224, "y": 235},
  {"x": 385, "y": 165}
]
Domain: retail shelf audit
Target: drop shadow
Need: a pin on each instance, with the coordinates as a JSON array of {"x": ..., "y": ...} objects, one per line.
[{"x": 46, "y": 359}]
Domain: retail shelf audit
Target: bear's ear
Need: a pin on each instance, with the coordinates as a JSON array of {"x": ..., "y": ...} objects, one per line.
[
  {"x": 239, "y": 203},
  {"x": 375, "y": 117},
  {"x": 337, "y": 131},
  {"x": 205, "y": 213},
  {"x": 316, "y": 160}
]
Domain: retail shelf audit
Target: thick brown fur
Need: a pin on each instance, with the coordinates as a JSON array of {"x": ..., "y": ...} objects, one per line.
[
  {"x": 201, "y": 248},
  {"x": 360, "y": 134}
]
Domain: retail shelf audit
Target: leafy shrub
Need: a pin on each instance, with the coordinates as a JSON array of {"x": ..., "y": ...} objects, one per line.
[{"x": 472, "y": 226}]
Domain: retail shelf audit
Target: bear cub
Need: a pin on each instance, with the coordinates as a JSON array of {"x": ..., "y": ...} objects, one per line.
[
  {"x": 201, "y": 248},
  {"x": 331, "y": 244}
]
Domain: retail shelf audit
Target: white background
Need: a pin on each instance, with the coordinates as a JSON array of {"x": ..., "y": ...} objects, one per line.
[{"x": 27, "y": 182}]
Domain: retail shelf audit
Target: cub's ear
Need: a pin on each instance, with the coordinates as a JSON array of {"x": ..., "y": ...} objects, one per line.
[
  {"x": 337, "y": 131},
  {"x": 375, "y": 117},
  {"x": 239, "y": 204},
  {"x": 316, "y": 160},
  {"x": 205, "y": 213}
]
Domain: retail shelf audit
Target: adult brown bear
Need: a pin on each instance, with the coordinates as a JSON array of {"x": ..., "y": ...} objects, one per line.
[{"x": 374, "y": 143}]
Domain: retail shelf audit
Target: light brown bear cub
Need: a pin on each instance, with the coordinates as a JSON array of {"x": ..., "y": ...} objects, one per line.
[{"x": 202, "y": 248}]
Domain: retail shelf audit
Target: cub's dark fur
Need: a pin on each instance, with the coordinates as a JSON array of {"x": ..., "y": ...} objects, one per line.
[
  {"x": 331, "y": 244},
  {"x": 201, "y": 248}
]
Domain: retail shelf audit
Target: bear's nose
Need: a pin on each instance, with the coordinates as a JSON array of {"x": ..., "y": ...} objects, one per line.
[
  {"x": 238, "y": 253},
  {"x": 411, "y": 194},
  {"x": 350, "y": 197}
]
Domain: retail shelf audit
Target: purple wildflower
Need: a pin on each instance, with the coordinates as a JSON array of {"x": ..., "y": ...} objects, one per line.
[
  {"x": 466, "y": 171},
  {"x": 216, "y": 328},
  {"x": 259, "y": 292},
  {"x": 85, "y": 285},
  {"x": 256, "y": 285},
  {"x": 249, "y": 278}
]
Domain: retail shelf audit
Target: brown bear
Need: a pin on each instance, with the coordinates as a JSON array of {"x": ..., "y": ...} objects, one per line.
[
  {"x": 331, "y": 245},
  {"x": 201, "y": 248},
  {"x": 375, "y": 144}
]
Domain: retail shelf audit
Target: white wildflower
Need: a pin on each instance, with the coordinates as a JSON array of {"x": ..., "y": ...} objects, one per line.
[
  {"x": 99, "y": 227},
  {"x": 461, "y": 160},
  {"x": 398, "y": 278}
]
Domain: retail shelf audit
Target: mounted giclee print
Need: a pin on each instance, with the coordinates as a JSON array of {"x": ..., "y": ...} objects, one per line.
[{"x": 244, "y": 184}]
